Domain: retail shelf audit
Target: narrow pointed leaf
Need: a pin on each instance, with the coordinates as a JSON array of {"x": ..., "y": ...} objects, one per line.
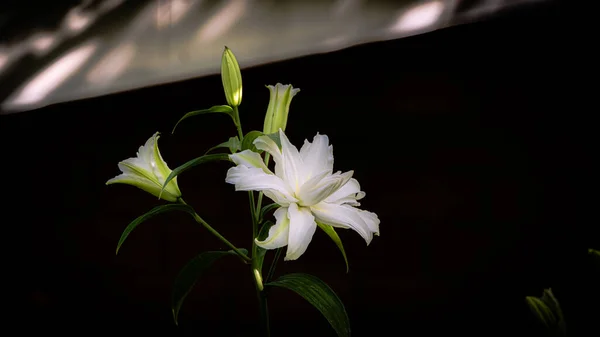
[
  {"x": 192, "y": 163},
  {"x": 336, "y": 239},
  {"x": 233, "y": 144},
  {"x": 148, "y": 215},
  {"x": 265, "y": 210},
  {"x": 247, "y": 142},
  {"x": 226, "y": 109},
  {"x": 320, "y": 295},
  {"x": 189, "y": 275}
]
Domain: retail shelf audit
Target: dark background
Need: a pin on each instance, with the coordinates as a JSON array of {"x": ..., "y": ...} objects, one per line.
[{"x": 463, "y": 139}]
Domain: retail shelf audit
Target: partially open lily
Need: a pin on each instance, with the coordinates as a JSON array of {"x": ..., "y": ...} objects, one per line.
[
  {"x": 279, "y": 107},
  {"x": 148, "y": 171},
  {"x": 307, "y": 190}
]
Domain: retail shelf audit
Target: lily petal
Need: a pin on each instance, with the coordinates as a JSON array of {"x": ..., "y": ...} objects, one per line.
[
  {"x": 343, "y": 216},
  {"x": 145, "y": 151},
  {"x": 144, "y": 184},
  {"x": 160, "y": 168},
  {"x": 265, "y": 143},
  {"x": 278, "y": 233},
  {"x": 349, "y": 193},
  {"x": 371, "y": 219},
  {"x": 255, "y": 179},
  {"x": 322, "y": 186},
  {"x": 302, "y": 229},
  {"x": 135, "y": 167},
  {"x": 292, "y": 163},
  {"x": 317, "y": 156},
  {"x": 250, "y": 159}
]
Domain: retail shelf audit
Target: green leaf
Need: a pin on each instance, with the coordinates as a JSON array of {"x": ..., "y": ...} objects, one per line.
[
  {"x": 265, "y": 210},
  {"x": 226, "y": 109},
  {"x": 156, "y": 210},
  {"x": 320, "y": 295},
  {"x": 233, "y": 144},
  {"x": 247, "y": 142},
  {"x": 189, "y": 275},
  {"x": 260, "y": 252},
  {"x": 336, "y": 239},
  {"x": 192, "y": 163}
]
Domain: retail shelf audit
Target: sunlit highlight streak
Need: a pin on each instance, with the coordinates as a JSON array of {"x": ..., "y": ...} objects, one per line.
[
  {"x": 53, "y": 76},
  {"x": 222, "y": 21},
  {"x": 4, "y": 58},
  {"x": 172, "y": 11},
  {"x": 419, "y": 17},
  {"x": 112, "y": 65},
  {"x": 76, "y": 22},
  {"x": 42, "y": 43}
]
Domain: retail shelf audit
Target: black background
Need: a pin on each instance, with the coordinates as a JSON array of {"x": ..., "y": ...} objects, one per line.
[{"x": 463, "y": 140}]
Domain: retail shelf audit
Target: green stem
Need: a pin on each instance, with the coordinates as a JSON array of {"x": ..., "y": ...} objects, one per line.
[
  {"x": 238, "y": 123},
  {"x": 262, "y": 299},
  {"x": 218, "y": 235},
  {"x": 264, "y": 313}
]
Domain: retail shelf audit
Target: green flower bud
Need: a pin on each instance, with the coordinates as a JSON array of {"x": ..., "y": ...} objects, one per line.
[
  {"x": 232, "y": 78},
  {"x": 279, "y": 106}
]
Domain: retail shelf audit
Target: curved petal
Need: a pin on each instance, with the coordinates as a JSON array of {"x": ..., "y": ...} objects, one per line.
[
  {"x": 302, "y": 229},
  {"x": 349, "y": 193},
  {"x": 265, "y": 143},
  {"x": 278, "y": 233},
  {"x": 161, "y": 170},
  {"x": 371, "y": 219},
  {"x": 145, "y": 151},
  {"x": 316, "y": 156},
  {"x": 135, "y": 167},
  {"x": 144, "y": 184},
  {"x": 343, "y": 216},
  {"x": 320, "y": 187},
  {"x": 249, "y": 159},
  {"x": 255, "y": 179},
  {"x": 292, "y": 163}
]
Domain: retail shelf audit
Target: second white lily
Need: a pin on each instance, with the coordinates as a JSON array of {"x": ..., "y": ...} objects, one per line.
[{"x": 307, "y": 190}]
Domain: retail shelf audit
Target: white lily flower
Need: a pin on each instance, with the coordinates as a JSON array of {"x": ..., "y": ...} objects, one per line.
[
  {"x": 307, "y": 190},
  {"x": 148, "y": 171}
]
